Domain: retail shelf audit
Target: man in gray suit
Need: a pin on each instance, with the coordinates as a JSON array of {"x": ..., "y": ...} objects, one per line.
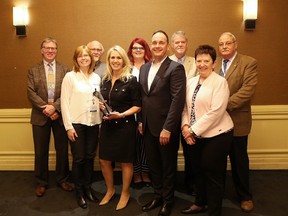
[
  {"x": 43, "y": 91},
  {"x": 240, "y": 72},
  {"x": 97, "y": 50},
  {"x": 163, "y": 87}
]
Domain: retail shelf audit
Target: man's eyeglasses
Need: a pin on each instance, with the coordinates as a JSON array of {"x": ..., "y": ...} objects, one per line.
[
  {"x": 228, "y": 43},
  {"x": 138, "y": 48},
  {"x": 49, "y": 48}
]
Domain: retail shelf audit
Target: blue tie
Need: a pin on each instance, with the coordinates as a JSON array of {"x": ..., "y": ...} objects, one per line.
[{"x": 223, "y": 72}]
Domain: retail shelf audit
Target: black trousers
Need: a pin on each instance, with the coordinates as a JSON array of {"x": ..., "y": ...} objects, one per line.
[
  {"x": 162, "y": 160},
  {"x": 209, "y": 159},
  {"x": 41, "y": 137},
  {"x": 84, "y": 152},
  {"x": 188, "y": 168},
  {"x": 240, "y": 167}
]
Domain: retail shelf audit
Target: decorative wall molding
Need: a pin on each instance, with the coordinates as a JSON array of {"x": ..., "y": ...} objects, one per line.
[{"x": 268, "y": 141}]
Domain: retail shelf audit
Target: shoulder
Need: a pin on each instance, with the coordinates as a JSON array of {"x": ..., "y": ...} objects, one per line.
[
  {"x": 246, "y": 58},
  {"x": 60, "y": 65},
  {"x": 173, "y": 57},
  {"x": 70, "y": 74},
  {"x": 190, "y": 58},
  {"x": 37, "y": 66}
]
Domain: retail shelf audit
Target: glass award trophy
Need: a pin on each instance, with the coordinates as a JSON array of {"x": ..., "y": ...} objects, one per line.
[{"x": 107, "y": 109}]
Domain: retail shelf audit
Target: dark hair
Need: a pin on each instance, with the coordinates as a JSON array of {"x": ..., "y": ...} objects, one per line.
[
  {"x": 142, "y": 42},
  {"x": 206, "y": 49},
  {"x": 161, "y": 31}
]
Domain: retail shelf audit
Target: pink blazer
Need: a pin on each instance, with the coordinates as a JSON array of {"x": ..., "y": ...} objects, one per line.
[{"x": 210, "y": 106}]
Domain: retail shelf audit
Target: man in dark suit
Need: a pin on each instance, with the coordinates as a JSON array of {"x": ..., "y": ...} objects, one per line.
[
  {"x": 163, "y": 86},
  {"x": 45, "y": 77},
  {"x": 240, "y": 72}
]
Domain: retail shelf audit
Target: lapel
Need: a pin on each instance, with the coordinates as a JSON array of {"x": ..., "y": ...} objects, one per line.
[
  {"x": 145, "y": 77},
  {"x": 57, "y": 77},
  {"x": 43, "y": 76},
  {"x": 233, "y": 66},
  {"x": 218, "y": 66},
  {"x": 165, "y": 64},
  {"x": 187, "y": 64}
]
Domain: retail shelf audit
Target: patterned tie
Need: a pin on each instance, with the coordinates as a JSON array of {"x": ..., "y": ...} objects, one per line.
[
  {"x": 50, "y": 83},
  {"x": 223, "y": 72}
]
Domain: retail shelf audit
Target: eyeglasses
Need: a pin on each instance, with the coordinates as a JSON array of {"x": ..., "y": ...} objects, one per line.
[
  {"x": 50, "y": 48},
  {"x": 138, "y": 48},
  {"x": 96, "y": 50},
  {"x": 228, "y": 43}
]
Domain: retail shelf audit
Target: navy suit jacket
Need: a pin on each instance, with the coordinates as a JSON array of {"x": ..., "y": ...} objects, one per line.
[{"x": 163, "y": 104}]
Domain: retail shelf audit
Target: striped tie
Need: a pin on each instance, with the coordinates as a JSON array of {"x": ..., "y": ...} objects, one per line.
[{"x": 223, "y": 72}]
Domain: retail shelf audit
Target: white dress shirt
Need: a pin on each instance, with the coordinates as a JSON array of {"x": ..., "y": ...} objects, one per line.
[{"x": 78, "y": 105}]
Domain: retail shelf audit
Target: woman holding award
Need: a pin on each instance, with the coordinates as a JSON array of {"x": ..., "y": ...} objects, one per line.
[{"x": 118, "y": 130}]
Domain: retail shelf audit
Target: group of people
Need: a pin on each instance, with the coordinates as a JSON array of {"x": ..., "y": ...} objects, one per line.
[{"x": 138, "y": 106}]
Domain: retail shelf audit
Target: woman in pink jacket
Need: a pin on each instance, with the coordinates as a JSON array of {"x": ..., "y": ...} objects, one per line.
[{"x": 208, "y": 130}]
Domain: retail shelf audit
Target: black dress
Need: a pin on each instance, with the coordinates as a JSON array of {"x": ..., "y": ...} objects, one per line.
[{"x": 117, "y": 140}]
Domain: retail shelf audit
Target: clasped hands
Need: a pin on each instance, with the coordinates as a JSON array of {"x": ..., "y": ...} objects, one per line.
[
  {"x": 50, "y": 111},
  {"x": 189, "y": 138}
]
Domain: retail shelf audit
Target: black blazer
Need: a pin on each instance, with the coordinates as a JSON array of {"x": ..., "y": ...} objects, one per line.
[{"x": 163, "y": 104}]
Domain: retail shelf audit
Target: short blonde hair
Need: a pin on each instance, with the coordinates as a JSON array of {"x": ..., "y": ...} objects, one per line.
[{"x": 126, "y": 72}]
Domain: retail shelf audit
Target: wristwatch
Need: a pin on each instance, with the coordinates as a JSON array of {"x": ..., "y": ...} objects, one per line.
[{"x": 192, "y": 132}]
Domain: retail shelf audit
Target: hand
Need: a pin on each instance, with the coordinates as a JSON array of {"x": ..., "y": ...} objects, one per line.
[
  {"x": 190, "y": 140},
  {"x": 185, "y": 131},
  {"x": 72, "y": 135},
  {"x": 113, "y": 115},
  {"x": 140, "y": 129},
  {"x": 101, "y": 106},
  {"x": 48, "y": 110},
  {"x": 164, "y": 137},
  {"x": 54, "y": 116}
]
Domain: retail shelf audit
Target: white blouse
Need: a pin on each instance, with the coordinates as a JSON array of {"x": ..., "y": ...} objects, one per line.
[{"x": 78, "y": 104}]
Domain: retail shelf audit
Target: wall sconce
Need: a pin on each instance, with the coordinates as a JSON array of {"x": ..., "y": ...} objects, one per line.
[
  {"x": 250, "y": 9},
  {"x": 20, "y": 20}
]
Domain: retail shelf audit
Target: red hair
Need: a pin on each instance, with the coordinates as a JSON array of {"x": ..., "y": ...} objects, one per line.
[{"x": 142, "y": 42}]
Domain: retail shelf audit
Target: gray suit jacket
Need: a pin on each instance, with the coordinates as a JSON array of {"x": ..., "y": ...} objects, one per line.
[
  {"x": 37, "y": 91},
  {"x": 242, "y": 80},
  {"x": 163, "y": 104}
]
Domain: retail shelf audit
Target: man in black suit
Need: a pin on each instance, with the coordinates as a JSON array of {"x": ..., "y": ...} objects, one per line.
[{"x": 163, "y": 86}]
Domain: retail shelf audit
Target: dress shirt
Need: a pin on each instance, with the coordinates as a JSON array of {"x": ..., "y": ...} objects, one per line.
[
  {"x": 135, "y": 72},
  {"x": 153, "y": 71},
  {"x": 78, "y": 104},
  {"x": 53, "y": 65},
  {"x": 228, "y": 63}
]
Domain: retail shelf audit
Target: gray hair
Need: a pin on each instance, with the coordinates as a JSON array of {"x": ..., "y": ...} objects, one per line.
[{"x": 181, "y": 33}]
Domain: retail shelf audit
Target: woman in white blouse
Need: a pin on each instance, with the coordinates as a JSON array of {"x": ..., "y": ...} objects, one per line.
[
  {"x": 208, "y": 131},
  {"x": 82, "y": 117}
]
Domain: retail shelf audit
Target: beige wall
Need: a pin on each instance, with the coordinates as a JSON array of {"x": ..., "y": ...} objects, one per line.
[
  {"x": 268, "y": 141},
  {"x": 112, "y": 22}
]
